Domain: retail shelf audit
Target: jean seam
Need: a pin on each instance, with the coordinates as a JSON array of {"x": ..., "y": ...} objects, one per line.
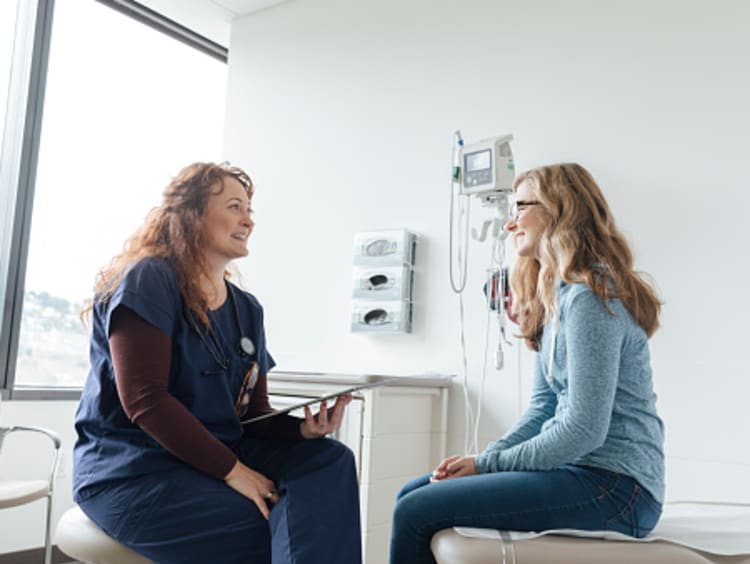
[
  {"x": 606, "y": 492},
  {"x": 627, "y": 510},
  {"x": 652, "y": 503}
]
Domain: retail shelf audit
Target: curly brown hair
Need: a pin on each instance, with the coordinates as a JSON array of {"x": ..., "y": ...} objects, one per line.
[
  {"x": 580, "y": 244},
  {"x": 174, "y": 231}
]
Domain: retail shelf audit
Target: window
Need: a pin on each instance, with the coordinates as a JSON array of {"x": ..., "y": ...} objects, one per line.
[
  {"x": 125, "y": 108},
  {"x": 7, "y": 27},
  {"x": 7, "y": 36}
]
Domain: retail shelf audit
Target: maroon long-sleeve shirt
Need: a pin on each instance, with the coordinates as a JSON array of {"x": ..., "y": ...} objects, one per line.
[{"x": 141, "y": 355}]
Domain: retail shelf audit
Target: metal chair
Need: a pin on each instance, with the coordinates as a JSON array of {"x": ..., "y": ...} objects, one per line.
[{"x": 19, "y": 492}]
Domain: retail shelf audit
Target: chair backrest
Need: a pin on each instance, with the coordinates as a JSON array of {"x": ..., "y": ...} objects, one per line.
[{"x": 51, "y": 435}]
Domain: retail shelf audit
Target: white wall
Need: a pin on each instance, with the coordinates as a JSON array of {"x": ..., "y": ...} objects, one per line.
[{"x": 343, "y": 110}]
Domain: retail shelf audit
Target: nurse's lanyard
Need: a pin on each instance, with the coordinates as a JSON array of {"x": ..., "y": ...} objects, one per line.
[{"x": 244, "y": 347}]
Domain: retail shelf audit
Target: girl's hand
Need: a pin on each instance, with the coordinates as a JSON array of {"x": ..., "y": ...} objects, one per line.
[{"x": 455, "y": 467}]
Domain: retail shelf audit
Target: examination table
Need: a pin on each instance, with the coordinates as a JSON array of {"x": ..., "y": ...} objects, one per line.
[{"x": 688, "y": 533}]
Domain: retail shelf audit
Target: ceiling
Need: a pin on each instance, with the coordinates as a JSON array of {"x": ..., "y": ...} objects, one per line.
[
  {"x": 240, "y": 8},
  {"x": 210, "y": 18}
]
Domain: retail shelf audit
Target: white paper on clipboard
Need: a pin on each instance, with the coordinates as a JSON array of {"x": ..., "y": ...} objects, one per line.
[{"x": 318, "y": 399}]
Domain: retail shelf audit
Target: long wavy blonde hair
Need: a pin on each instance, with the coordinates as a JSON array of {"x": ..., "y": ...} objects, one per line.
[
  {"x": 580, "y": 244},
  {"x": 174, "y": 231}
]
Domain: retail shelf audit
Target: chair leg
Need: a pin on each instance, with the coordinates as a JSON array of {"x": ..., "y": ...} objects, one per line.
[{"x": 47, "y": 533}]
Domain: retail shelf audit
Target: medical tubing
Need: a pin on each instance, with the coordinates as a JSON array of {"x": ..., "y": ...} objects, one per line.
[
  {"x": 461, "y": 286},
  {"x": 468, "y": 415},
  {"x": 490, "y": 270},
  {"x": 463, "y": 259},
  {"x": 484, "y": 374}
]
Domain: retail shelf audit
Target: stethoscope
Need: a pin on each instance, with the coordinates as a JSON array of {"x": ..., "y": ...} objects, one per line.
[{"x": 245, "y": 346}]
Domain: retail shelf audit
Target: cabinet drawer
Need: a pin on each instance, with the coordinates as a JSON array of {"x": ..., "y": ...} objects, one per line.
[{"x": 405, "y": 410}]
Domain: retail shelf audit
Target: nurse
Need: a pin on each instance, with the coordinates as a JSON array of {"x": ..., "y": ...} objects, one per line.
[
  {"x": 588, "y": 451},
  {"x": 178, "y": 358}
]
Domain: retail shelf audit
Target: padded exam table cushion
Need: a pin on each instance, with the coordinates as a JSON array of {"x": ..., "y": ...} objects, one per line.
[{"x": 688, "y": 533}]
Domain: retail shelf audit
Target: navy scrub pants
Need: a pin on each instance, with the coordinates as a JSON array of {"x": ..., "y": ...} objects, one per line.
[{"x": 184, "y": 516}]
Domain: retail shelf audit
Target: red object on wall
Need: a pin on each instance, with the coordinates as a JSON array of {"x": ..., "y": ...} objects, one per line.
[{"x": 507, "y": 296}]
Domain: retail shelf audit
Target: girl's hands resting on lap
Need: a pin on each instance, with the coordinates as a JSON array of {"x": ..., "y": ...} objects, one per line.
[
  {"x": 253, "y": 485},
  {"x": 326, "y": 420},
  {"x": 455, "y": 467}
]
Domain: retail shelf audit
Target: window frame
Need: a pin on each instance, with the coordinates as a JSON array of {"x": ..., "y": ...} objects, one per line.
[{"x": 20, "y": 151}]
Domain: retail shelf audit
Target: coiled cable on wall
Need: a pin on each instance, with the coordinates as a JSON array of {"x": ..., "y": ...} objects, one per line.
[{"x": 464, "y": 212}]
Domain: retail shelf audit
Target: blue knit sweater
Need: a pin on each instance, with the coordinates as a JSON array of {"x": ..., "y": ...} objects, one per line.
[{"x": 600, "y": 407}]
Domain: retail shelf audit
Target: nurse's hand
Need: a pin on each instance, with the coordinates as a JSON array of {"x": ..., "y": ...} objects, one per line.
[
  {"x": 326, "y": 420},
  {"x": 253, "y": 485},
  {"x": 455, "y": 467}
]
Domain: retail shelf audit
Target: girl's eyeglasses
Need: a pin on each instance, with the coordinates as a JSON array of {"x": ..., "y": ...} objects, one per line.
[{"x": 520, "y": 206}]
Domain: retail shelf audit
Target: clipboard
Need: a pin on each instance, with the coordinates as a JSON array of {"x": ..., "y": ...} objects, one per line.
[{"x": 318, "y": 399}]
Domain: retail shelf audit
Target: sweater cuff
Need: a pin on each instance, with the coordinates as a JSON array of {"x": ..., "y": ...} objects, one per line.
[{"x": 482, "y": 463}]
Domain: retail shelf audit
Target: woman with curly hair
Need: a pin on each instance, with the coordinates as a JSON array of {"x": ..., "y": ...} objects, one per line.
[
  {"x": 178, "y": 354},
  {"x": 588, "y": 451}
]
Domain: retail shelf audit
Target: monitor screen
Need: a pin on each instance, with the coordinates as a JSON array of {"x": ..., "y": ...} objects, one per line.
[{"x": 481, "y": 160}]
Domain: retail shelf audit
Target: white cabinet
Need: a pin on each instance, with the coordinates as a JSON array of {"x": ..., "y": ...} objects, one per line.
[{"x": 397, "y": 432}]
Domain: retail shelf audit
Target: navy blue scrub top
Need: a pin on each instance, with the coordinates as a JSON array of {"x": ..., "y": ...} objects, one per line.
[{"x": 109, "y": 445}]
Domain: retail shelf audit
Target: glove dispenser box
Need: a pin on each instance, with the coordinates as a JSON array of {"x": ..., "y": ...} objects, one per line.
[
  {"x": 381, "y": 317},
  {"x": 386, "y": 248},
  {"x": 385, "y": 283},
  {"x": 382, "y": 281}
]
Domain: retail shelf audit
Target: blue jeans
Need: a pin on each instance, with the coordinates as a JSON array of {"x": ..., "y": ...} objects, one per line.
[
  {"x": 183, "y": 515},
  {"x": 568, "y": 497}
]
